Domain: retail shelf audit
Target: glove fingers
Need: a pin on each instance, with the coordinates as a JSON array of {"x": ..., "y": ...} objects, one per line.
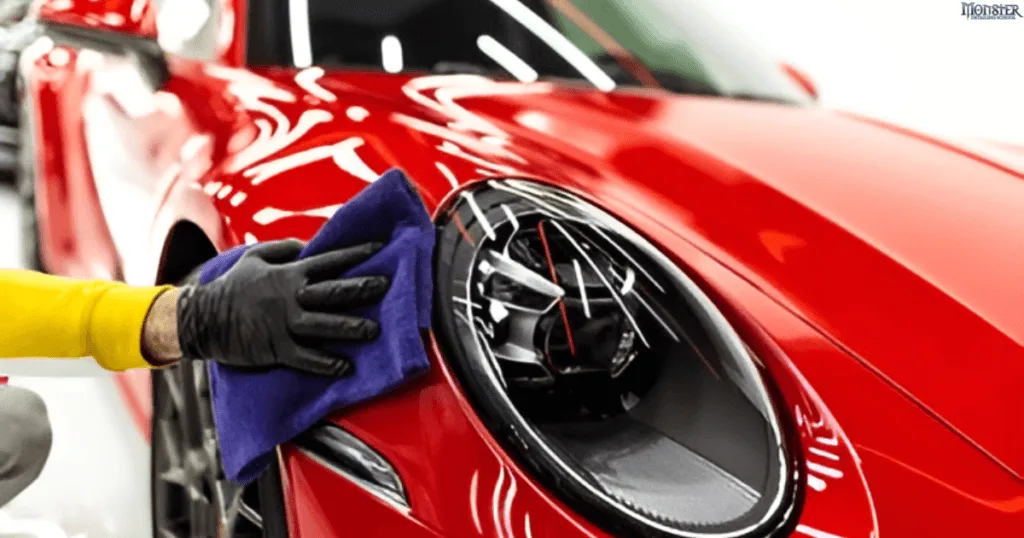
[
  {"x": 319, "y": 363},
  {"x": 343, "y": 294},
  {"x": 333, "y": 264},
  {"x": 325, "y": 326},
  {"x": 282, "y": 251}
]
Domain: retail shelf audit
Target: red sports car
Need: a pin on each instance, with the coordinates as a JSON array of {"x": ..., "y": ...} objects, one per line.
[{"x": 674, "y": 298}]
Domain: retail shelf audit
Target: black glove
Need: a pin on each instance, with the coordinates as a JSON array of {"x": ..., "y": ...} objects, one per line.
[{"x": 270, "y": 309}]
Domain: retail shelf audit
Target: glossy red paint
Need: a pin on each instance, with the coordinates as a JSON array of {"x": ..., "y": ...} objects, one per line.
[
  {"x": 872, "y": 270},
  {"x": 134, "y": 17},
  {"x": 69, "y": 223},
  {"x": 231, "y": 42}
]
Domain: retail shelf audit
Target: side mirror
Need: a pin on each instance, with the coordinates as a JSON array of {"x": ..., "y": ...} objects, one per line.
[
  {"x": 143, "y": 50},
  {"x": 802, "y": 79}
]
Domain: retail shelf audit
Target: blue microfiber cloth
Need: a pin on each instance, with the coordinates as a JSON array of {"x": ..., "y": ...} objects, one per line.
[{"x": 256, "y": 411}]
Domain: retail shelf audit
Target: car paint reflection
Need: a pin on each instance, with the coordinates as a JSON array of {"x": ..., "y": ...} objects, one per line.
[
  {"x": 343, "y": 154},
  {"x": 504, "y": 520},
  {"x": 307, "y": 80},
  {"x": 296, "y": 123},
  {"x": 268, "y": 214}
]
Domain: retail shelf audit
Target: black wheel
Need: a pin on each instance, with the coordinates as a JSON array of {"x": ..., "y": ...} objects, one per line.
[
  {"x": 191, "y": 496},
  {"x": 25, "y": 181}
]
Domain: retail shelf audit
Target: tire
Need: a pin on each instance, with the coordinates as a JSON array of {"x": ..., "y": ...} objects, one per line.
[
  {"x": 25, "y": 182},
  {"x": 191, "y": 498}
]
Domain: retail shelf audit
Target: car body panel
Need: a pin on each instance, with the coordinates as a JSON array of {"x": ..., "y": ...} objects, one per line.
[
  {"x": 131, "y": 17},
  {"x": 872, "y": 269},
  {"x": 885, "y": 228},
  {"x": 873, "y": 236}
]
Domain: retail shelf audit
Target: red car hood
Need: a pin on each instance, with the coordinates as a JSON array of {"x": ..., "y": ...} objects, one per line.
[
  {"x": 1006, "y": 154},
  {"x": 906, "y": 251}
]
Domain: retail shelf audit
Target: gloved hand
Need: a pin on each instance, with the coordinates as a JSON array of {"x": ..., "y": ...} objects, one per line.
[{"x": 270, "y": 309}]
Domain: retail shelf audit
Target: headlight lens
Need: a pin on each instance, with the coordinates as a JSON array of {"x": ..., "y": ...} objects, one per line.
[{"x": 604, "y": 368}]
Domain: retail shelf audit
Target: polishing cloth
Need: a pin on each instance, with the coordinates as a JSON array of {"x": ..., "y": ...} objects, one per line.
[{"x": 254, "y": 411}]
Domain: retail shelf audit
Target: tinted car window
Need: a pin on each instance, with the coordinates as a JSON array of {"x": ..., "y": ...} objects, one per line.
[{"x": 672, "y": 44}]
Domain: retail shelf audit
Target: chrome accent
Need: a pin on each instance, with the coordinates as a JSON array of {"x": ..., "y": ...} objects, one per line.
[
  {"x": 348, "y": 456},
  {"x": 504, "y": 265},
  {"x": 583, "y": 288},
  {"x": 248, "y": 513},
  {"x": 604, "y": 280}
]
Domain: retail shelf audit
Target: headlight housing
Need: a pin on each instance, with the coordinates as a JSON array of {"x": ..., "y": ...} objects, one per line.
[{"x": 605, "y": 369}]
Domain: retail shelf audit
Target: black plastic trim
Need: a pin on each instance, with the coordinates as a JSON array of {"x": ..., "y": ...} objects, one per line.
[{"x": 347, "y": 455}]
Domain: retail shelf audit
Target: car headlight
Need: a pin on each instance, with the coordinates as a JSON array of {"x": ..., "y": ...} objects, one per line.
[{"x": 604, "y": 369}]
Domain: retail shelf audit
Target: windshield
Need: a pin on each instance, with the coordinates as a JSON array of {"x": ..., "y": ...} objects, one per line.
[{"x": 669, "y": 44}]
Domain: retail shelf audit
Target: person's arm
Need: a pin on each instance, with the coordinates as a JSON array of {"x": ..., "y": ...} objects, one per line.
[
  {"x": 49, "y": 316},
  {"x": 160, "y": 344},
  {"x": 268, "y": 310}
]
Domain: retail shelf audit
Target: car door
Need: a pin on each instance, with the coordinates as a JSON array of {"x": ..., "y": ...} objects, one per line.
[
  {"x": 140, "y": 141},
  {"x": 118, "y": 143}
]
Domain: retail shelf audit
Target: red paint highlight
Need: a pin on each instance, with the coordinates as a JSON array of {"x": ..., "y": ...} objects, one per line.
[{"x": 462, "y": 230}]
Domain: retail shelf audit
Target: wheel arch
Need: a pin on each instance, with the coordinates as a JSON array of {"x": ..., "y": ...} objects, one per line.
[{"x": 187, "y": 247}]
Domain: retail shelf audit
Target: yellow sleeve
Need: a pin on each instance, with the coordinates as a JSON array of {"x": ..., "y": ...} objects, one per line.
[{"x": 49, "y": 316}]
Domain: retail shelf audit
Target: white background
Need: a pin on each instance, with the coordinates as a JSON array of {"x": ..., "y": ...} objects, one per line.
[
  {"x": 95, "y": 484},
  {"x": 915, "y": 62}
]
